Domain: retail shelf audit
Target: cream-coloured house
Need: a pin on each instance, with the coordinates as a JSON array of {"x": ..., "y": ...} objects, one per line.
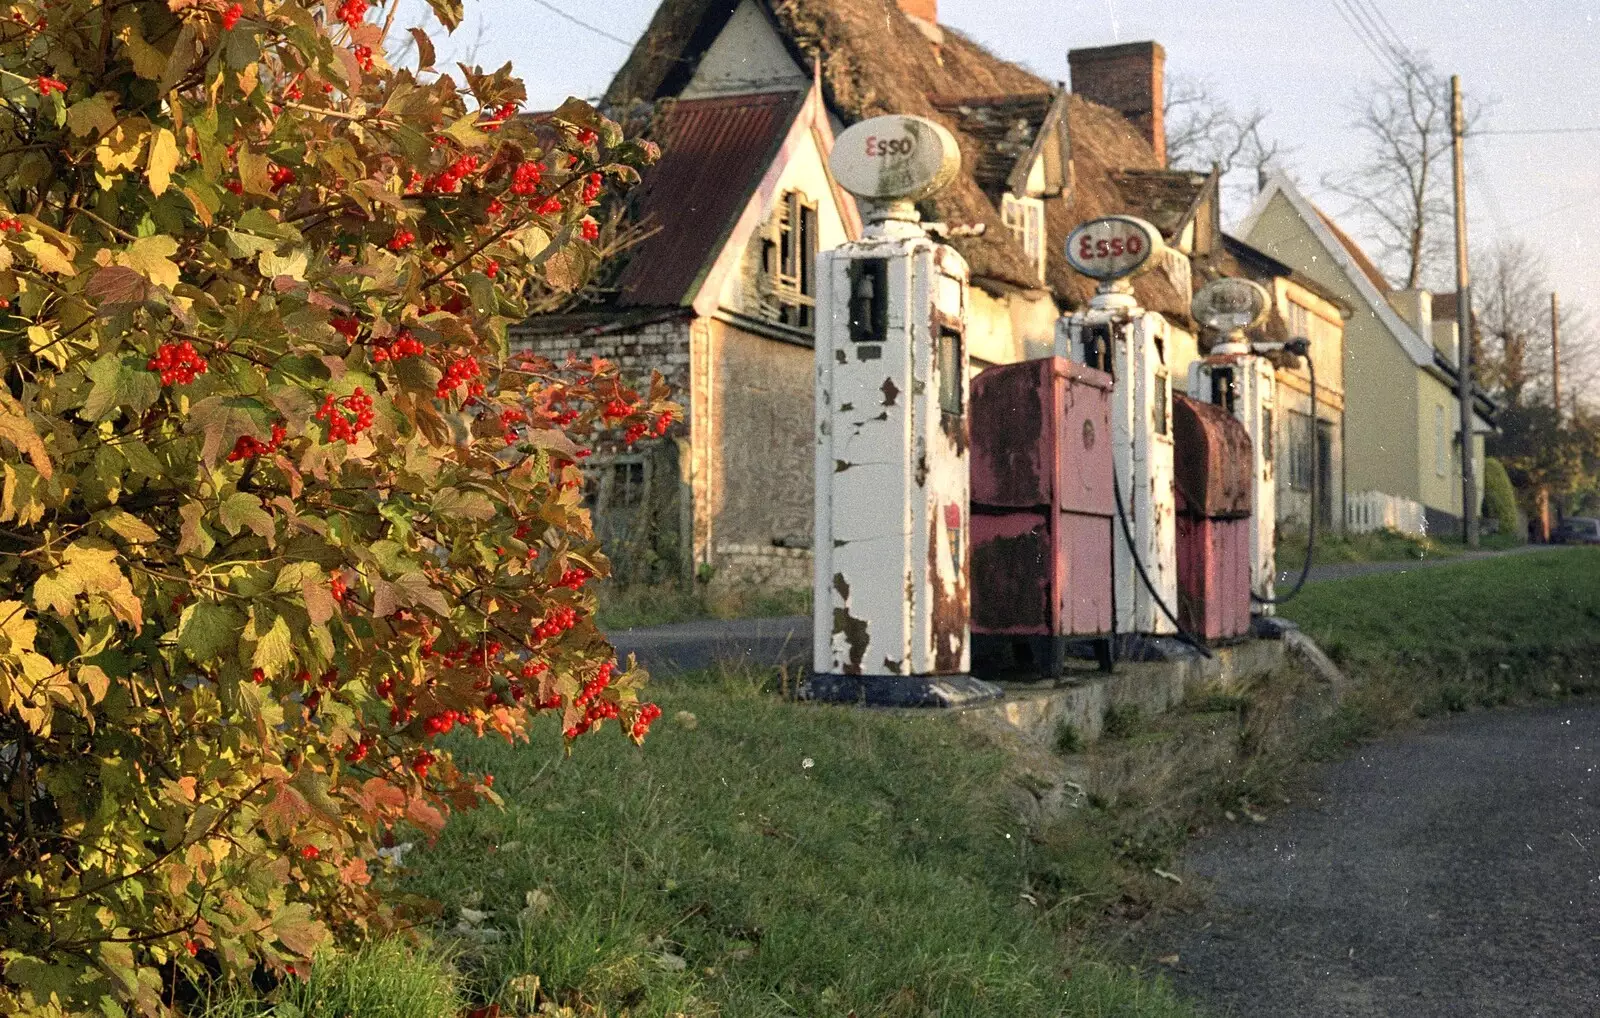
[{"x": 1399, "y": 366}]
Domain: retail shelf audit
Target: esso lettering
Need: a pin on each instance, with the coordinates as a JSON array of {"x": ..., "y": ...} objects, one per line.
[
  {"x": 1091, "y": 248},
  {"x": 885, "y": 147}
]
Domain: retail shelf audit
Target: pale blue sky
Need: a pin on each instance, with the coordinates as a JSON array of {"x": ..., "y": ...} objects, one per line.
[{"x": 1539, "y": 60}]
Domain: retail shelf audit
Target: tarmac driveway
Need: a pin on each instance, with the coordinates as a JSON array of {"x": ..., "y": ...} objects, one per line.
[{"x": 1454, "y": 870}]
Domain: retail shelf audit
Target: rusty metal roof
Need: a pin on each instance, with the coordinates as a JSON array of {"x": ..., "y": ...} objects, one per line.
[{"x": 714, "y": 153}]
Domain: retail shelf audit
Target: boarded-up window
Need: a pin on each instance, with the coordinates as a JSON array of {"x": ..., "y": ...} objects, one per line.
[
  {"x": 1301, "y": 453},
  {"x": 791, "y": 260}
]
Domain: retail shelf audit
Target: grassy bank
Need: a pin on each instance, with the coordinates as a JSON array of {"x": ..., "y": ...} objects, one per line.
[
  {"x": 765, "y": 859},
  {"x": 1478, "y": 633},
  {"x": 1379, "y": 546}
]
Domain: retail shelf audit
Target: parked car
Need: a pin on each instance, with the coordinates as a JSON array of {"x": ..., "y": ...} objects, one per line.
[{"x": 1577, "y": 530}]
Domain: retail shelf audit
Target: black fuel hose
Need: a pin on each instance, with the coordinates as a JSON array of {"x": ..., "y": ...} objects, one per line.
[
  {"x": 1302, "y": 347},
  {"x": 1138, "y": 565}
]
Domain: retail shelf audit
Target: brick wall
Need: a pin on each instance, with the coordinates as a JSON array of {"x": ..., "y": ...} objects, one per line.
[
  {"x": 662, "y": 347},
  {"x": 1131, "y": 80}
]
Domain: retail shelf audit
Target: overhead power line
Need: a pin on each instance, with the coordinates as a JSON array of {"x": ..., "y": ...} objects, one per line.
[
  {"x": 1539, "y": 130},
  {"x": 602, "y": 33},
  {"x": 1375, "y": 49}
]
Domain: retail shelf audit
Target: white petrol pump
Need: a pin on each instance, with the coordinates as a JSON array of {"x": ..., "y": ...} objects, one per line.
[
  {"x": 892, "y": 618},
  {"x": 1237, "y": 376},
  {"x": 1117, "y": 336}
]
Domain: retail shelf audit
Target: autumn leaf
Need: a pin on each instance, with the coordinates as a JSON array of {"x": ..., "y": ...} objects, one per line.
[
  {"x": 151, "y": 257},
  {"x": 17, "y": 432},
  {"x": 163, "y": 160}
]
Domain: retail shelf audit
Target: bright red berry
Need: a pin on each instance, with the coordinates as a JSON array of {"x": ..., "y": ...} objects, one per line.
[
  {"x": 48, "y": 85},
  {"x": 589, "y": 229},
  {"x": 177, "y": 363},
  {"x": 231, "y": 16},
  {"x": 310, "y": 852}
]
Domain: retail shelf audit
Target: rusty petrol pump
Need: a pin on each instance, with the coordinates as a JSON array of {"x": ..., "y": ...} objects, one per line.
[
  {"x": 1115, "y": 335},
  {"x": 1238, "y": 377},
  {"x": 891, "y": 545}
]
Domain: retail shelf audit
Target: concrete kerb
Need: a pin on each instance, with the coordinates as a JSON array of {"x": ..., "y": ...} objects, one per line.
[{"x": 1155, "y": 687}]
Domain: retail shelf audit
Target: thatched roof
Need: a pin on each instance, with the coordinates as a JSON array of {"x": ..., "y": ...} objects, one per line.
[{"x": 874, "y": 61}]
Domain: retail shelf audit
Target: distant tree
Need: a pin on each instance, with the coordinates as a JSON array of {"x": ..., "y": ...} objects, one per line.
[
  {"x": 1402, "y": 186},
  {"x": 1204, "y": 130},
  {"x": 1511, "y": 311}
]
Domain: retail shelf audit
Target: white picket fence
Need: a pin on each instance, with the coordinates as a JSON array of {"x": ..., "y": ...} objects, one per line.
[{"x": 1373, "y": 510}]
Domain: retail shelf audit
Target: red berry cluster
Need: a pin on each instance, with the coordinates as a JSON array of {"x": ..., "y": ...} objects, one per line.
[
  {"x": 595, "y": 686},
  {"x": 499, "y": 117},
  {"x": 231, "y": 16},
  {"x": 339, "y": 587},
  {"x": 364, "y": 58},
  {"x": 340, "y": 427},
  {"x": 280, "y": 176},
  {"x": 233, "y": 185},
  {"x": 12, "y": 225},
  {"x": 177, "y": 363},
  {"x": 48, "y": 85},
  {"x": 460, "y": 372},
  {"x": 549, "y": 207},
  {"x": 587, "y": 137},
  {"x": 597, "y": 712},
  {"x": 441, "y": 723},
  {"x": 591, "y": 188},
  {"x": 258, "y": 676},
  {"x": 572, "y": 579},
  {"x": 617, "y": 408},
  {"x": 647, "y": 716},
  {"x": 560, "y": 619},
  {"x": 359, "y": 751},
  {"x": 422, "y": 761},
  {"x": 404, "y": 345},
  {"x": 525, "y": 179},
  {"x": 449, "y": 180},
  {"x": 352, "y": 12},
  {"x": 589, "y": 229},
  {"x": 347, "y": 327},
  {"x": 249, "y": 447},
  {"x": 292, "y": 93},
  {"x": 492, "y": 269},
  {"x": 401, "y": 240}
]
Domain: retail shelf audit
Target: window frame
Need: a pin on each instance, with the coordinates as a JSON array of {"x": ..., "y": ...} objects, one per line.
[
  {"x": 791, "y": 265},
  {"x": 1024, "y": 219}
]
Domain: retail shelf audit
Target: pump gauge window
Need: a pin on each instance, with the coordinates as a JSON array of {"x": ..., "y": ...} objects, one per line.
[{"x": 1230, "y": 306}]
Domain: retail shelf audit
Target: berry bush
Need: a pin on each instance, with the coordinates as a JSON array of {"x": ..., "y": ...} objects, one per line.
[{"x": 279, "y": 507}]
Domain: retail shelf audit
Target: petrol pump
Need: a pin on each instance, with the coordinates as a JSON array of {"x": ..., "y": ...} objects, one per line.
[
  {"x": 1115, "y": 335},
  {"x": 891, "y": 541},
  {"x": 1237, "y": 376}
]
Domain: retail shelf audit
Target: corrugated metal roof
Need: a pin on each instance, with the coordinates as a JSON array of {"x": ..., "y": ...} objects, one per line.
[{"x": 713, "y": 154}]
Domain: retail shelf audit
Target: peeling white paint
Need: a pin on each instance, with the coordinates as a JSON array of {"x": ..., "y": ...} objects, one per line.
[
  {"x": 891, "y": 547},
  {"x": 1141, "y": 431}
]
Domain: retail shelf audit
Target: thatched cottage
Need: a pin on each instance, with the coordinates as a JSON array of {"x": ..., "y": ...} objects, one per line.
[{"x": 745, "y": 97}]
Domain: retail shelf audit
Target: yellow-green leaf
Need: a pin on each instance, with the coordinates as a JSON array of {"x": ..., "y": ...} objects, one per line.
[
  {"x": 163, "y": 160},
  {"x": 208, "y": 631},
  {"x": 151, "y": 257},
  {"x": 93, "y": 115},
  {"x": 51, "y": 256},
  {"x": 16, "y": 431},
  {"x": 241, "y": 510}
]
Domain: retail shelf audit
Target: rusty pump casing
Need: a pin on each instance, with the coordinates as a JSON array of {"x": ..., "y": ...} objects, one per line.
[
  {"x": 1115, "y": 335},
  {"x": 891, "y": 540},
  {"x": 1237, "y": 376}
]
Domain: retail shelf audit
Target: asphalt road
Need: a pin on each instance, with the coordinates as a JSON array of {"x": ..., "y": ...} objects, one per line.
[{"x": 1454, "y": 870}]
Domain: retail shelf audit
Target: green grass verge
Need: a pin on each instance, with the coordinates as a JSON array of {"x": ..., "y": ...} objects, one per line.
[
  {"x": 1379, "y": 546},
  {"x": 627, "y": 607},
  {"x": 1474, "y": 633}
]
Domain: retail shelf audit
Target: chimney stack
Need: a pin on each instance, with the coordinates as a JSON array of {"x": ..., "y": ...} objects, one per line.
[
  {"x": 1130, "y": 79},
  {"x": 926, "y": 10}
]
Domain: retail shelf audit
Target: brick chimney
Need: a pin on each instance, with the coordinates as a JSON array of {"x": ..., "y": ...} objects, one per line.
[
  {"x": 927, "y": 10},
  {"x": 1128, "y": 78}
]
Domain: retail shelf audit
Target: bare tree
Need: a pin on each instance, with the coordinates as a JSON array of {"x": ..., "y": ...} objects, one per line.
[
  {"x": 1402, "y": 189},
  {"x": 1204, "y": 130},
  {"x": 1511, "y": 294}
]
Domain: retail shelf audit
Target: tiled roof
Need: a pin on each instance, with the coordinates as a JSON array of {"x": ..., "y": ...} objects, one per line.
[
  {"x": 1164, "y": 198},
  {"x": 1365, "y": 264},
  {"x": 714, "y": 153}
]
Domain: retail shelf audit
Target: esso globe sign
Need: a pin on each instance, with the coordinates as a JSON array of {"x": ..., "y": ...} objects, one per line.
[
  {"x": 1230, "y": 305},
  {"x": 895, "y": 158},
  {"x": 1113, "y": 247}
]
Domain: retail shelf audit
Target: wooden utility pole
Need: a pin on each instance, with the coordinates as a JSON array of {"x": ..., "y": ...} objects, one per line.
[
  {"x": 1469, "y": 487},
  {"x": 1555, "y": 353}
]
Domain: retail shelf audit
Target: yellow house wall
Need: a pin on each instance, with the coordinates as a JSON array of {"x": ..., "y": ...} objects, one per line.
[
  {"x": 1380, "y": 380},
  {"x": 1008, "y": 327}
]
